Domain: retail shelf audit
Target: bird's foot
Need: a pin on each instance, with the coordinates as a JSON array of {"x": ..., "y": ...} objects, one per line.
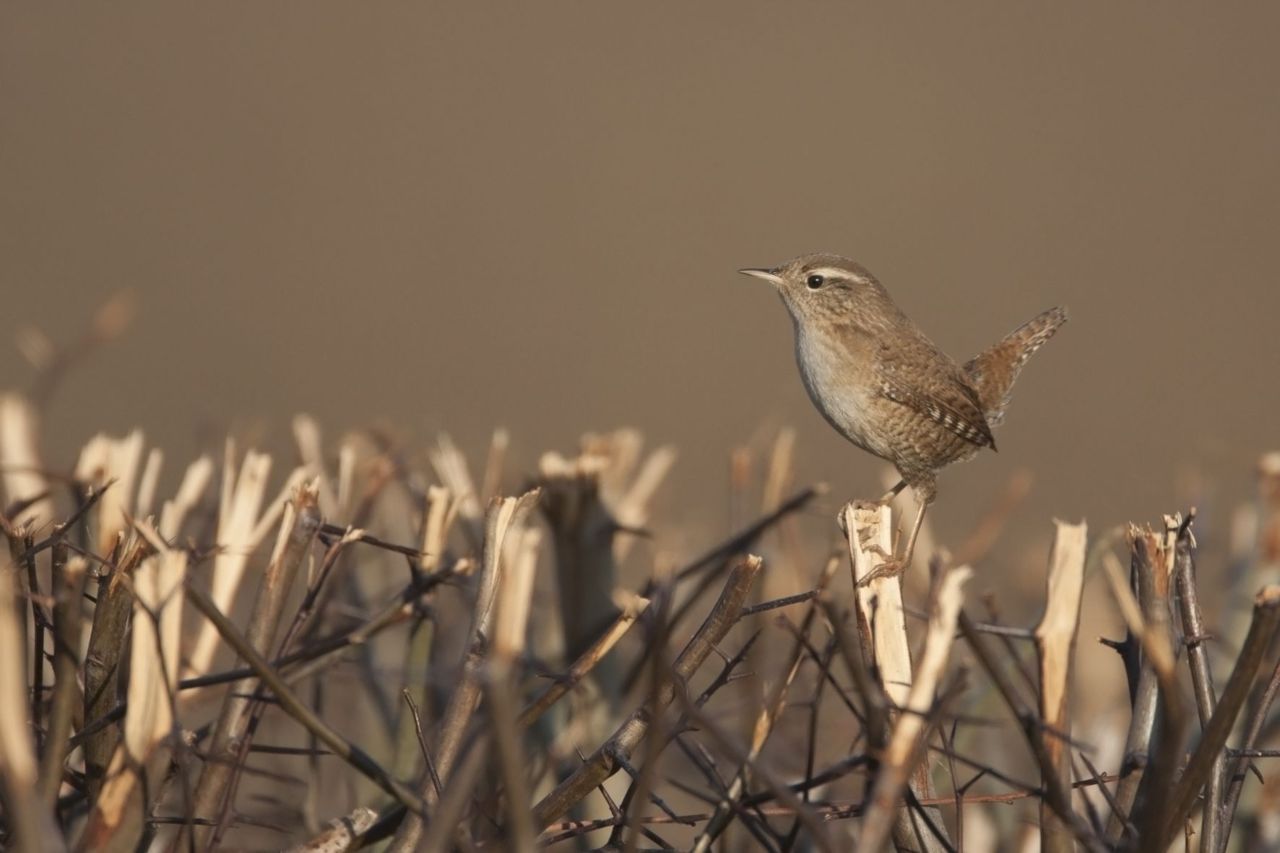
[{"x": 890, "y": 568}]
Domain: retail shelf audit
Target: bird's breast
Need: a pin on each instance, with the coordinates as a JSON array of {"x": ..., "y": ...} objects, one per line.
[{"x": 835, "y": 380}]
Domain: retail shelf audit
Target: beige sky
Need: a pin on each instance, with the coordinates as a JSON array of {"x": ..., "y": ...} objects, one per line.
[{"x": 464, "y": 216}]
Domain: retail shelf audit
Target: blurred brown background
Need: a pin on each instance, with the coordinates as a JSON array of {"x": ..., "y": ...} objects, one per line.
[{"x": 462, "y": 216}]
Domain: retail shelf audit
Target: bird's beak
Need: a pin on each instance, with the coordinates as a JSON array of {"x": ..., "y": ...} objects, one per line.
[{"x": 768, "y": 275}]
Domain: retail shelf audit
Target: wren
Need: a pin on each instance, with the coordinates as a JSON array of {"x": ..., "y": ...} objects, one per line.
[{"x": 883, "y": 385}]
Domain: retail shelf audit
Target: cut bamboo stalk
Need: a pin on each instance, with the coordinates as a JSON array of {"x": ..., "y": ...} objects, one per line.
[
  {"x": 68, "y": 583},
  {"x": 30, "y": 823},
  {"x": 103, "y": 460},
  {"x": 148, "y": 482},
  {"x": 190, "y": 492},
  {"x": 514, "y": 600},
  {"x": 504, "y": 515},
  {"x": 907, "y": 741},
  {"x": 881, "y": 619},
  {"x": 240, "y": 501},
  {"x": 451, "y": 467},
  {"x": 297, "y": 532},
  {"x": 1055, "y": 645},
  {"x": 868, "y": 528},
  {"x": 21, "y": 468},
  {"x": 495, "y": 461},
  {"x": 116, "y": 821},
  {"x": 631, "y": 507},
  {"x": 157, "y": 635},
  {"x": 109, "y": 465},
  {"x": 1157, "y": 723},
  {"x": 582, "y": 531},
  {"x": 306, "y": 435}
]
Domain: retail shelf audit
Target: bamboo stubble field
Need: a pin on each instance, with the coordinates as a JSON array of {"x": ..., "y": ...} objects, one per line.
[{"x": 416, "y": 651}]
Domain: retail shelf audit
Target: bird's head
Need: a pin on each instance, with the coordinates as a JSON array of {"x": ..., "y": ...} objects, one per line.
[{"x": 823, "y": 286}]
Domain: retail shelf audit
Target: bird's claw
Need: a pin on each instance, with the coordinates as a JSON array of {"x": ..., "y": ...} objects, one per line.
[{"x": 888, "y": 569}]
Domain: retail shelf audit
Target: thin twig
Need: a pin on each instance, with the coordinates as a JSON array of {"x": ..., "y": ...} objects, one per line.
[
  {"x": 1193, "y": 627},
  {"x": 297, "y": 709},
  {"x": 1266, "y": 618},
  {"x": 1058, "y": 795},
  {"x": 601, "y": 765}
]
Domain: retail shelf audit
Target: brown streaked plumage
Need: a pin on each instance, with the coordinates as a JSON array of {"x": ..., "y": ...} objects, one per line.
[{"x": 883, "y": 385}]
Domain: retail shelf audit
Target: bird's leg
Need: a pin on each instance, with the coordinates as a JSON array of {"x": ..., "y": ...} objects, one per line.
[
  {"x": 893, "y": 567},
  {"x": 915, "y": 531},
  {"x": 892, "y": 493}
]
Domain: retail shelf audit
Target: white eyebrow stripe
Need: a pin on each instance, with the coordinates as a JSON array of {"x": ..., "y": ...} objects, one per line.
[{"x": 835, "y": 272}]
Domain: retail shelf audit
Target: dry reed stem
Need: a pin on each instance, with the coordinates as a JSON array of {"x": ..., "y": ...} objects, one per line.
[
  {"x": 603, "y": 762},
  {"x": 1156, "y": 698},
  {"x": 1055, "y": 646},
  {"x": 148, "y": 482},
  {"x": 102, "y": 663},
  {"x": 515, "y": 596},
  {"x": 632, "y": 506},
  {"x": 518, "y": 832},
  {"x": 582, "y": 532},
  {"x": 110, "y": 465},
  {"x": 511, "y": 617},
  {"x": 306, "y": 435},
  {"x": 155, "y": 650},
  {"x": 451, "y": 467},
  {"x": 441, "y": 511},
  {"x": 105, "y": 459},
  {"x": 906, "y": 742},
  {"x": 786, "y": 573},
  {"x": 502, "y": 516},
  {"x": 437, "y": 519},
  {"x": 115, "y": 823},
  {"x": 194, "y": 482},
  {"x": 21, "y": 469},
  {"x": 494, "y": 462},
  {"x": 30, "y": 822},
  {"x": 868, "y": 529},
  {"x": 68, "y": 577},
  {"x": 238, "y": 505},
  {"x": 297, "y": 532}
]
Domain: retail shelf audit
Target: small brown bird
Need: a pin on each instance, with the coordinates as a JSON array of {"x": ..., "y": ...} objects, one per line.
[{"x": 884, "y": 386}]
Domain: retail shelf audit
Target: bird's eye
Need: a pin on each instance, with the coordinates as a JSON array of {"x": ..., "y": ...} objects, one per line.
[{"x": 815, "y": 281}]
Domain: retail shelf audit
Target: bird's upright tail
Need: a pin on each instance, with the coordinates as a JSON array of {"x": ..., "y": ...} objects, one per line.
[{"x": 993, "y": 371}]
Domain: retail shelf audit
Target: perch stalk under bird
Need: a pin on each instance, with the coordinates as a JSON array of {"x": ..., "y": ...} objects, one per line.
[{"x": 883, "y": 385}]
